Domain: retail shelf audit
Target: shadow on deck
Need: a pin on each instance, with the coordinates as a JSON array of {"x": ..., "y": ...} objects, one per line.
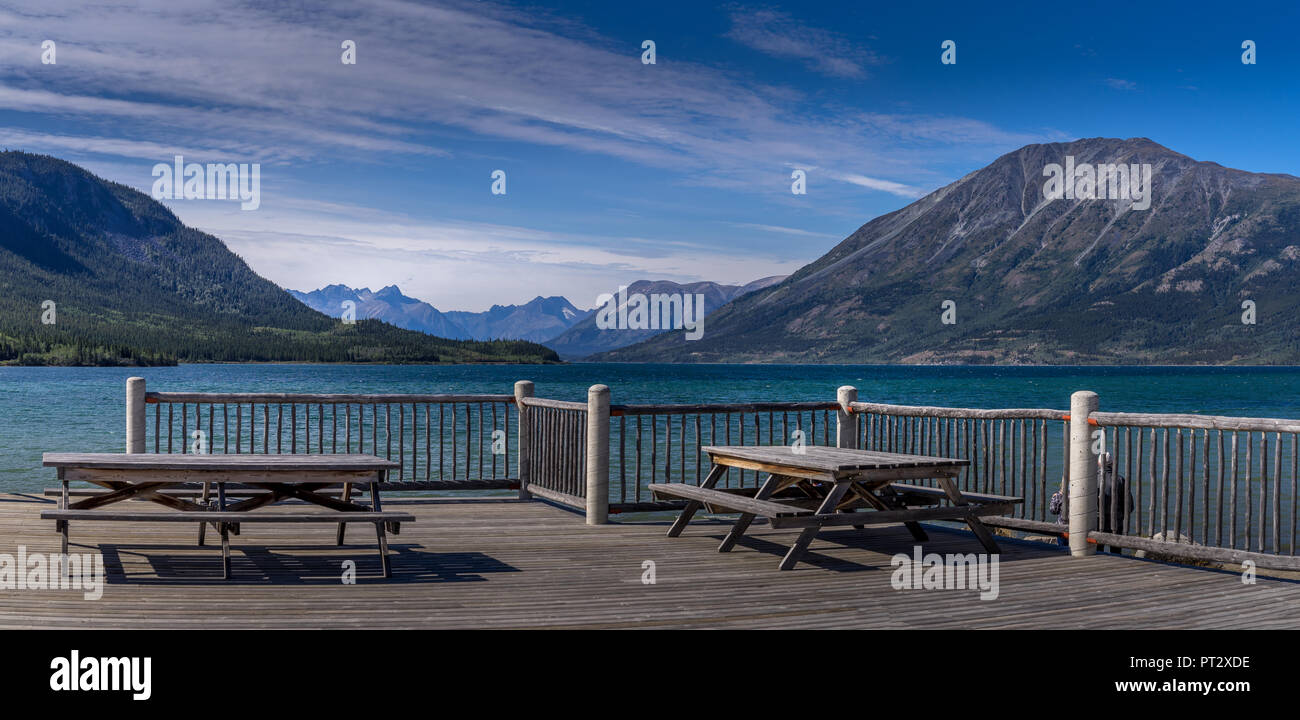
[{"x": 509, "y": 564}]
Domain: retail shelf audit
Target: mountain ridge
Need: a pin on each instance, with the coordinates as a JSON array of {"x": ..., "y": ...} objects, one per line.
[
  {"x": 536, "y": 321},
  {"x": 1036, "y": 280},
  {"x": 585, "y": 338},
  {"x": 539, "y": 319},
  {"x": 387, "y": 304}
]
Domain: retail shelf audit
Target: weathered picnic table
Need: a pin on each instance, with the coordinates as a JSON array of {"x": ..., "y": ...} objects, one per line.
[
  {"x": 271, "y": 478},
  {"x": 815, "y": 487}
]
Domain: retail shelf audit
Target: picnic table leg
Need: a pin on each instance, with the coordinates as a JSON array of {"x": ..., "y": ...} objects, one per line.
[
  {"x": 892, "y": 502},
  {"x": 379, "y": 530},
  {"x": 985, "y": 537},
  {"x": 393, "y": 527},
  {"x": 347, "y": 497},
  {"x": 225, "y": 550},
  {"x": 204, "y": 500},
  {"x": 977, "y": 527},
  {"x": 221, "y": 496},
  {"x": 383, "y": 550},
  {"x": 62, "y": 525},
  {"x": 225, "y": 533},
  {"x": 693, "y": 506},
  {"x": 770, "y": 486},
  {"x": 827, "y": 507}
]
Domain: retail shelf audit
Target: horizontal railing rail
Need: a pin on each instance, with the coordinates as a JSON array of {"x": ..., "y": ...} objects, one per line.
[
  {"x": 440, "y": 441},
  {"x": 955, "y": 412},
  {"x": 714, "y": 408},
  {"x": 555, "y": 404},
  {"x": 1199, "y": 422},
  {"x": 314, "y": 398}
]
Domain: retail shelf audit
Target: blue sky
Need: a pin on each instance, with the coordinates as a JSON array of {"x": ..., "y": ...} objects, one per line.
[{"x": 379, "y": 173}]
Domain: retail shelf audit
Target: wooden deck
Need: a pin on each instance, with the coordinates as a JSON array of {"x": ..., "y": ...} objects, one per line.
[{"x": 509, "y": 564}]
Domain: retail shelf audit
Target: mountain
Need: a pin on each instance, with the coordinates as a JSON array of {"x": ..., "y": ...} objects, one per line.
[
  {"x": 585, "y": 338},
  {"x": 538, "y": 320},
  {"x": 130, "y": 284},
  {"x": 1038, "y": 280},
  {"x": 389, "y": 305}
]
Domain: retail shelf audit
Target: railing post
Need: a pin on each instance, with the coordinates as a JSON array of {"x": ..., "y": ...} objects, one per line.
[
  {"x": 1083, "y": 474},
  {"x": 846, "y": 423},
  {"x": 135, "y": 415},
  {"x": 524, "y": 389},
  {"x": 598, "y": 455}
]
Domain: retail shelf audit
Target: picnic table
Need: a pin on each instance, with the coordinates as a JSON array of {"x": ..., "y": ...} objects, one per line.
[
  {"x": 261, "y": 479},
  {"x": 815, "y": 487}
]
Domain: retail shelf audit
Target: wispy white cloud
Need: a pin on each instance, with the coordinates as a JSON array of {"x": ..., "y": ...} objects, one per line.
[
  {"x": 269, "y": 77},
  {"x": 780, "y": 230},
  {"x": 945, "y": 131},
  {"x": 120, "y": 147},
  {"x": 876, "y": 184},
  {"x": 778, "y": 34},
  {"x": 136, "y": 83}
]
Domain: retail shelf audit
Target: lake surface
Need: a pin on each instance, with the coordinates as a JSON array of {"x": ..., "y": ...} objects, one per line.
[{"x": 83, "y": 409}]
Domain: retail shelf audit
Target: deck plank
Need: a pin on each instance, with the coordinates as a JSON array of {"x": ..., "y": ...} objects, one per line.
[{"x": 511, "y": 564}]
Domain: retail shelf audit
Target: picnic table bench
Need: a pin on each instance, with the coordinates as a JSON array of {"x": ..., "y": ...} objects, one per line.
[
  {"x": 821, "y": 487},
  {"x": 263, "y": 479}
]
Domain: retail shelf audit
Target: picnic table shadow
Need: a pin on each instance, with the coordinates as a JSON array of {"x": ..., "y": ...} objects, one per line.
[
  {"x": 886, "y": 540},
  {"x": 294, "y": 564}
]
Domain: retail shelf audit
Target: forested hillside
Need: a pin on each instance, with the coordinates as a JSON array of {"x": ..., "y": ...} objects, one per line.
[{"x": 131, "y": 285}]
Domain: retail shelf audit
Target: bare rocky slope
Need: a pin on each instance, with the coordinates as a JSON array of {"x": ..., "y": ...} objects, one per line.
[{"x": 1037, "y": 280}]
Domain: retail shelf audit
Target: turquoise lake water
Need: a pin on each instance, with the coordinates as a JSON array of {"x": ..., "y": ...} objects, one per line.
[{"x": 82, "y": 409}]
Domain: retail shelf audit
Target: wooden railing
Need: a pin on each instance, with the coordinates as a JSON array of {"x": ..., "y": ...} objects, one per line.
[
  {"x": 650, "y": 443},
  {"x": 556, "y": 433},
  {"x": 440, "y": 442},
  {"x": 661, "y": 443},
  {"x": 1225, "y": 487},
  {"x": 1227, "y": 484},
  {"x": 1018, "y": 451}
]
